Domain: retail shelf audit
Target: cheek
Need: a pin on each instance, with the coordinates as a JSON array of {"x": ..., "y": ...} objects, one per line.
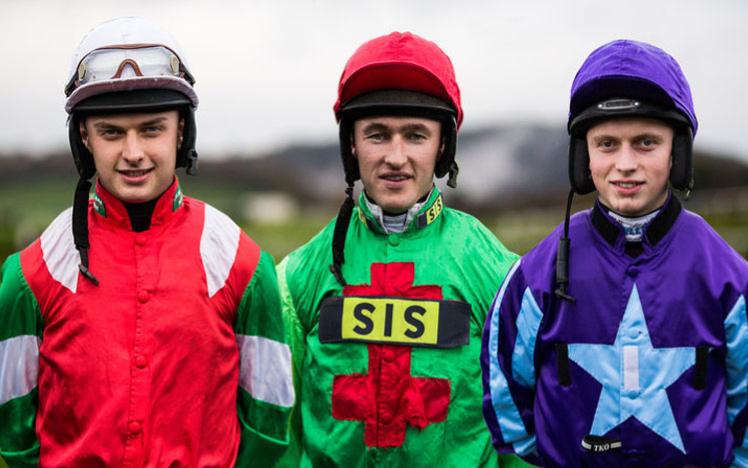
[
  {"x": 104, "y": 155},
  {"x": 597, "y": 167},
  {"x": 661, "y": 165},
  {"x": 366, "y": 161},
  {"x": 428, "y": 157},
  {"x": 663, "y": 173},
  {"x": 168, "y": 141},
  {"x": 94, "y": 144},
  {"x": 164, "y": 150}
]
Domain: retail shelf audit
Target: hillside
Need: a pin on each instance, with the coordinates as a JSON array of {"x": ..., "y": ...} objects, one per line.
[{"x": 500, "y": 167}]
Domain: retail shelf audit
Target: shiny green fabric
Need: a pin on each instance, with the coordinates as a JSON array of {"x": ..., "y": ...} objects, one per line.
[
  {"x": 264, "y": 426},
  {"x": 20, "y": 446},
  {"x": 19, "y": 316},
  {"x": 454, "y": 251}
]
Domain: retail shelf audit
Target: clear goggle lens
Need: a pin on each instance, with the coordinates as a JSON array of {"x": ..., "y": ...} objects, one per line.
[{"x": 114, "y": 63}]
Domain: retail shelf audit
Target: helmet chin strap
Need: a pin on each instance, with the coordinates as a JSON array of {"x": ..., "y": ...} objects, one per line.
[
  {"x": 562, "y": 257},
  {"x": 80, "y": 227},
  {"x": 453, "y": 171},
  {"x": 340, "y": 233},
  {"x": 192, "y": 163}
]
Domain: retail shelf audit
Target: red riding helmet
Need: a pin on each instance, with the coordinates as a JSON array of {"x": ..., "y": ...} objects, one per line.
[{"x": 399, "y": 74}]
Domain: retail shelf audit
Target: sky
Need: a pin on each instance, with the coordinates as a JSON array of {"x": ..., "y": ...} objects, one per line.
[{"x": 267, "y": 71}]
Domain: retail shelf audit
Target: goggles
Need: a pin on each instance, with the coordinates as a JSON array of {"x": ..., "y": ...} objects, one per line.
[{"x": 134, "y": 61}]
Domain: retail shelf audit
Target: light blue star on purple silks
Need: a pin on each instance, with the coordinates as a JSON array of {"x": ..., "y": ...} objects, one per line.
[{"x": 634, "y": 376}]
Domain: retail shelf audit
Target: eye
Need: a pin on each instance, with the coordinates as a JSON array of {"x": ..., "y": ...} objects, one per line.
[
  {"x": 648, "y": 143},
  {"x": 377, "y": 137},
  {"x": 110, "y": 133},
  {"x": 416, "y": 136},
  {"x": 606, "y": 144},
  {"x": 152, "y": 130}
]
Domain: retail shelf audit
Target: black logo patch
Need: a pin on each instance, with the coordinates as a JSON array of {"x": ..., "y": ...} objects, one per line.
[{"x": 389, "y": 320}]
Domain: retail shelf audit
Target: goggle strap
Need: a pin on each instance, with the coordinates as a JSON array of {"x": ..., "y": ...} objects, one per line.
[{"x": 133, "y": 64}]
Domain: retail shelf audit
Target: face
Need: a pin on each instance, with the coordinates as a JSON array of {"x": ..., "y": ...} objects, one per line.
[
  {"x": 630, "y": 163},
  {"x": 135, "y": 154},
  {"x": 396, "y": 158}
]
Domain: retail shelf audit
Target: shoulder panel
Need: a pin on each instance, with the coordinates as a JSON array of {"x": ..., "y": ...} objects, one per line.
[
  {"x": 218, "y": 247},
  {"x": 59, "y": 252}
]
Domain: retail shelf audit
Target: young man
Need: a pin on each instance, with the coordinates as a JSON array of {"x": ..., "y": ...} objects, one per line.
[
  {"x": 622, "y": 338},
  {"x": 386, "y": 304},
  {"x": 142, "y": 328}
]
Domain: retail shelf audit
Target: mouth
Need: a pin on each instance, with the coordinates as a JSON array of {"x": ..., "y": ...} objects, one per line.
[
  {"x": 135, "y": 175},
  {"x": 627, "y": 186},
  {"x": 395, "y": 177}
]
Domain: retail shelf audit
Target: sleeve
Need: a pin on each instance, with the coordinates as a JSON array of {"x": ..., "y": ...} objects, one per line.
[
  {"x": 507, "y": 362},
  {"x": 736, "y": 337},
  {"x": 493, "y": 272},
  {"x": 20, "y": 336},
  {"x": 295, "y": 332},
  {"x": 265, "y": 394}
]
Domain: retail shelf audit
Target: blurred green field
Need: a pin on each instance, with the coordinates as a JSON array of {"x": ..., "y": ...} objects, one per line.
[
  {"x": 521, "y": 231},
  {"x": 25, "y": 211}
]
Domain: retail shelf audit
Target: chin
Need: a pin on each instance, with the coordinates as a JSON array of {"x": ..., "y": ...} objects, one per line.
[
  {"x": 135, "y": 197},
  {"x": 397, "y": 206},
  {"x": 632, "y": 211}
]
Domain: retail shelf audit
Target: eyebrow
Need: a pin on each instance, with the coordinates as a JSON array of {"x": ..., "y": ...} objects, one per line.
[
  {"x": 107, "y": 125},
  {"x": 415, "y": 128},
  {"x": 374, "y": 127},
  {"x": 378, "y": 127},
  {"x": 153, "y": 121},
  {"x": 640, "y": 136},
  {"x": 651, "y": 135},
  {"x": 104, "y": 126},
  {"x": 603, "y": 136}
]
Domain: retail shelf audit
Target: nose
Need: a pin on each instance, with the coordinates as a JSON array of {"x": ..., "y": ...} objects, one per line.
[
  {"x": 132, "y": 151},
  {"x": 626, "y": 160},
  {"x": 396, "y": 153}
]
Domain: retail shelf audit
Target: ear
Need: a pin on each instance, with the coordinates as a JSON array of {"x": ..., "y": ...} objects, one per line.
[
  {"x": 353, "y": 147},
  {"x": 442, "y": 140},
  {"x": 84, "y": 133},
  {"x": 180, "y": 132}
]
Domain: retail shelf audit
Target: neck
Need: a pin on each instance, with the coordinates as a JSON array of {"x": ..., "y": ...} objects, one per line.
[
  {"x": 141, "y": 213},
  {"x": 633, "y": 226},
  {"x": 395, "y": 222}
]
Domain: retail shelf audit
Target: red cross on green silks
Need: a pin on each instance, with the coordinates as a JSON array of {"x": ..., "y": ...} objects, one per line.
[{"x": 388, "y": 398}]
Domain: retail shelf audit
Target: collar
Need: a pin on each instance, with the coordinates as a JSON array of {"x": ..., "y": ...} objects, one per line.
[
  {"x": 419, "y": 215},
  {"x": 109, "y": 207},
  {"x": 634, "y": 227},
  {"x": 611, "y": 230}
]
